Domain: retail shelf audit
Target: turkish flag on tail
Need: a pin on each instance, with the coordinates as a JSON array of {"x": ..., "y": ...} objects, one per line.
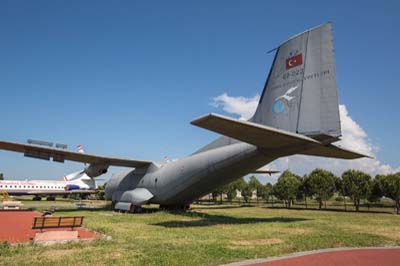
[{"x": 294, "y": 61}]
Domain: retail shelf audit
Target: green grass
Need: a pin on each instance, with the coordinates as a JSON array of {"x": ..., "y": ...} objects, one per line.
[{"x": 209, "y": 236}]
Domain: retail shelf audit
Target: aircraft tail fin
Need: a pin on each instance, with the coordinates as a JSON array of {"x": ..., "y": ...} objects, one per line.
[
  {"x": 300, "y": 94},
  {"x": 73, "y": 176}
]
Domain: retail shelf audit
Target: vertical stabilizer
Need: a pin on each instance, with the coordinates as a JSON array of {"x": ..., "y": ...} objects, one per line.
[{"x": 300, "y": 94}]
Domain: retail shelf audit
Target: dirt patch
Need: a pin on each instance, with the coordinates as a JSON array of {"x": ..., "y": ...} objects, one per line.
[
  {"x": 295, "y": 231},
  {"x": 116, "y": 255},
  {"x": 235, "y": 244}
]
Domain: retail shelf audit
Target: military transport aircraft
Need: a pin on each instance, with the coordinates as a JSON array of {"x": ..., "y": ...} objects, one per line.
[{"x": 297, "y": 114}]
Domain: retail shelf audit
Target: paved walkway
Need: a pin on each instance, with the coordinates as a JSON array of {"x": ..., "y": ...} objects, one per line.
[
  {"x": 334, "y": 257},
  {"x": 16, "y": 227}
]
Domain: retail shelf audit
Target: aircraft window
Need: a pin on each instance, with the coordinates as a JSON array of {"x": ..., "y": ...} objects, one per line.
[
  {"x": 24, "y": 186},
  {"x": 6, "y": 185},
  {"x": 1, "y": 185}
]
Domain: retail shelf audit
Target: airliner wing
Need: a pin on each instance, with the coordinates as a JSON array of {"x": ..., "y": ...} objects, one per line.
[
  {"x": 59, "y": 155},
  {"x": 66, "y": 192},
  {"x": 272, "y": 139}
]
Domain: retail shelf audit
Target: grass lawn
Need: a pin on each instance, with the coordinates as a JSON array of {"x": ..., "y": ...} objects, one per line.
[{"x": 209, "y": 235}]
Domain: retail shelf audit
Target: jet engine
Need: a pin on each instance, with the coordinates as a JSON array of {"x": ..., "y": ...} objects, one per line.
[
  {"x": 94, "y": 170},
  {"x": 71, "y": 187}
]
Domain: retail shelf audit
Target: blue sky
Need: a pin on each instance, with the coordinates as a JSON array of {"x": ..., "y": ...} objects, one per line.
[{"x": 125, "y": 78}]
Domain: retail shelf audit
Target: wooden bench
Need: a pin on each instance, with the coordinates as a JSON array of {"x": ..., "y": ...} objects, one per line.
[{"x": 46, "y": 222}]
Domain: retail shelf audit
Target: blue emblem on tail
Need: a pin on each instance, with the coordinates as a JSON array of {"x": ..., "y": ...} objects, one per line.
[{"x": 278, "y": 107}]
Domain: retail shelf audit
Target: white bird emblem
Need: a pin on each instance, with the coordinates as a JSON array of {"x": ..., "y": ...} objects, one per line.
[{"x": 286, "y": 96}]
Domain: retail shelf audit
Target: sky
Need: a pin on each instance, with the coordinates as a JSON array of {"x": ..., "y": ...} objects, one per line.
[{"x": 125, "y": 78}]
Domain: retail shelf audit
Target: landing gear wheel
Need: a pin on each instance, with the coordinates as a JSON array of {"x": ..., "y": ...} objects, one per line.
[
  {"x": 136, "y": 209},
  {"x": 37, "y": 198}
]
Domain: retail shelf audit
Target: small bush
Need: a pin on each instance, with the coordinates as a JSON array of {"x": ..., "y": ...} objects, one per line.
[{"x": 339, "y": 198}]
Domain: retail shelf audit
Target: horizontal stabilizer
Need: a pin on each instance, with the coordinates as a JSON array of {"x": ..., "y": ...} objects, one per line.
[
  {"x": 272, "y": 138},
  {"x": 269, "y": 172},
  {"x": 333, "y": 151},
  {"x": 253, "y": 133},
  {"x": 59, "y": 155}
]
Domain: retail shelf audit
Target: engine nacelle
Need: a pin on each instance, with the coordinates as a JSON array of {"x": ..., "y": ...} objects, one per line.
[
  {"x": 94, "y": 170},
  {"x": 71, "y": 187}
]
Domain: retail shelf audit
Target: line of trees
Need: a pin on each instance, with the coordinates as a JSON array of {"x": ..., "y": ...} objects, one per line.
[{"x": 320, "y": 185}]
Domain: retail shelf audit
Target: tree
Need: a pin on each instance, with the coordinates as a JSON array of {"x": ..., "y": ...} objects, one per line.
[
  {"x": 101, "y": 194},
  {"x": 356, "y": 185},
  {"x": 391, "y": 188},
  {"x": 269, "y": 187},
  {"x": 216, "y": 193},
  {"x": 255, "y": 185},
  {"x": 286, "y": 188},
  {"x": 338, "y": 185},
  {"x": 265, "y": 191},
  {"x": 376, "y": 191},
  {"x": 231, "y": 194},
  {"x": 239, "y": 184},
  {"x": 247, "y": 192},
  {"x": 1, "y": 176},
  {"x": 321, "y": 184},
  {"x": 231, "y": 188},
  {"x": 220, "y": 191},
  {"x": 340, "y": 190},
  {"x": 301, "y": 192}
]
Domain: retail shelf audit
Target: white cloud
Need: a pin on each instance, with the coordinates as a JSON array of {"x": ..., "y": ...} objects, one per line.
[
  {"x": 354, "y": 138},
  {"x": 242, "y": 106}
]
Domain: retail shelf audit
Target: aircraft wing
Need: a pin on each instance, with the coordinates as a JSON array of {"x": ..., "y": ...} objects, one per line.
[
  {"x": 59, "y": 155},
  {"x": 271, "y": 138}
]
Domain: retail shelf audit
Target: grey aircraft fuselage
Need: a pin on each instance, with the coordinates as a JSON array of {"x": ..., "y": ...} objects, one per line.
[{"x": 187, "y": 179}]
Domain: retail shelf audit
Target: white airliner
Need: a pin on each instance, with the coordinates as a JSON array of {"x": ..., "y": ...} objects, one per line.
[{"x": 74, "y": 183}]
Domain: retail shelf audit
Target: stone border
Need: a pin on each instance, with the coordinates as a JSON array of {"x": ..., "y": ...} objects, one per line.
[{"x": 304, "y": 253}]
